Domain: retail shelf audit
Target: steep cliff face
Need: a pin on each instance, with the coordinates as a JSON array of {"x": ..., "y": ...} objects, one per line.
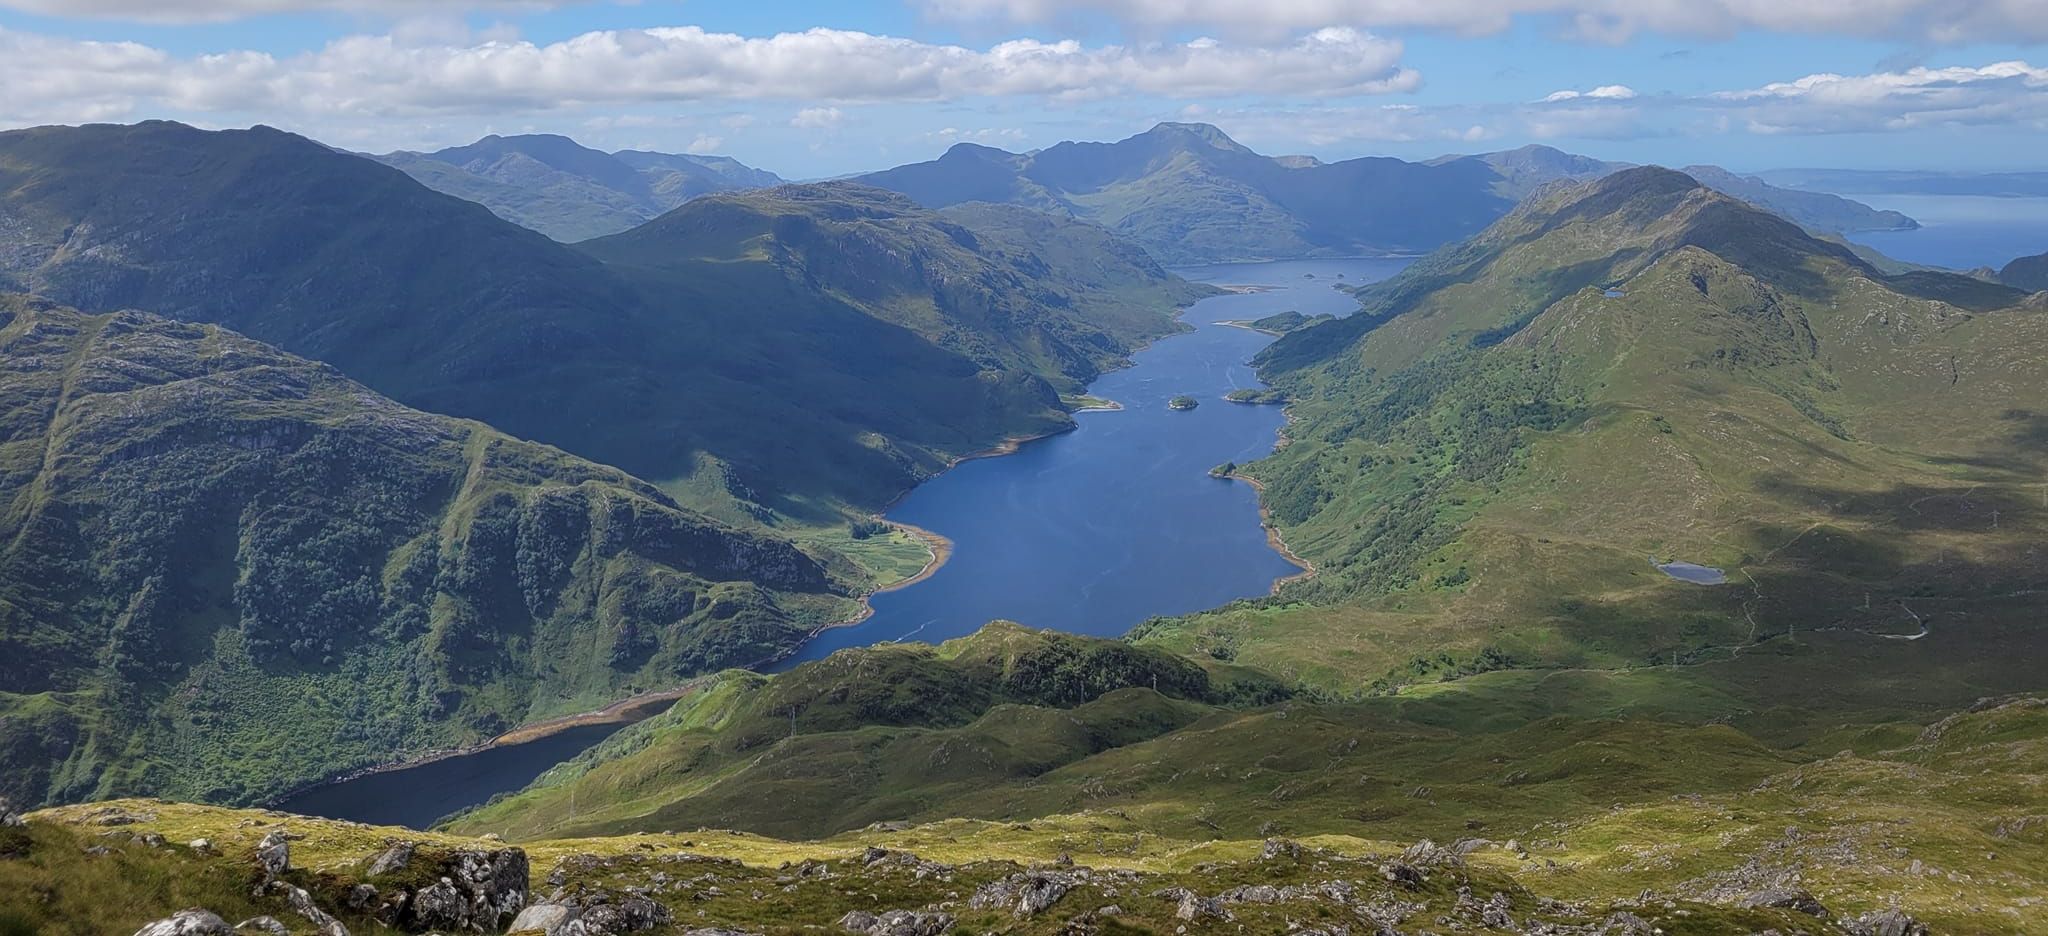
[{"x": 261, "y": 572}]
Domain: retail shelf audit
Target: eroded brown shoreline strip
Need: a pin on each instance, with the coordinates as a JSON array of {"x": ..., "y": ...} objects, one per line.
[{"x": 1273, "y": 538}]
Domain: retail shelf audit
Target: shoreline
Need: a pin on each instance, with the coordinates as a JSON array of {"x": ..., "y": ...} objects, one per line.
[
  {"x": 1273, "y": 538},
  {"x": 626, "y": 711},
  {"x": 644, "y": 705},
  {"x": 1008, "y": 446},
  {"x": 1247, "y": 326}
]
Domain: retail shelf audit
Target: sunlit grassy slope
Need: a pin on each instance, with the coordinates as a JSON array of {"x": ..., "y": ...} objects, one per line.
[{"x": 1942, "y": 821}]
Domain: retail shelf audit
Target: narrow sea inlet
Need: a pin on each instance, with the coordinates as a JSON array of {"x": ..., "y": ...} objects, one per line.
[
  {"x": 1092, "y": 531},
  {"x": 1098, "y": 529}
]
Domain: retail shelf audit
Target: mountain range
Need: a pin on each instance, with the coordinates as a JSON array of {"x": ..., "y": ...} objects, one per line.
[
  {"x": 684, "y": 349},
  {"x": 1675, "y": 566},
  {"x": 571, "y": 192},
  {"x": 210, "y": 533},
  {"x": 1191, "y": 194}
]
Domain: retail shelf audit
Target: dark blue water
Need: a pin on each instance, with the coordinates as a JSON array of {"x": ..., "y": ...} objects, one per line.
[
  {"x": 1098, "y": 529},
  {"x": 416, "y": 796},
  {"x": 1092, "y": 531},
  {"x": 1961, "y": 232}
]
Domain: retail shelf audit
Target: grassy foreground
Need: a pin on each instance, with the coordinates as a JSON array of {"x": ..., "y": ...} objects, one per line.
[{"x": 1831, "y": 831}]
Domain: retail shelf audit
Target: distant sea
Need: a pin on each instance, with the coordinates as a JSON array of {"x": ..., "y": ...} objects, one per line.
[{"x": 1961, "y": 232}]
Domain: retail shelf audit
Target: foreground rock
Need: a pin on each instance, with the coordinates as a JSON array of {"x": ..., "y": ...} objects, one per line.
[
  {"x": 1886, "y": 923},
  {"x": 897, "y": 923},
  {"x": 1024, "y": 894},
  {"x": 465, "y": 889},
  {"x": 193, "y": 922},
  {"x": 274, "y": 854},
  {"x": 593, "y": 914}
]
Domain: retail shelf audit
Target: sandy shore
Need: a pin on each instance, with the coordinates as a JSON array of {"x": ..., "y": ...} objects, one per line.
[
  {"x": 1008, "y": 446},
  {"x": 1110, "y": 406},
  {"x": 1247, "y": 326},
  {"x": 625, "y": 711},
  {"x": 941, "y": 549}
]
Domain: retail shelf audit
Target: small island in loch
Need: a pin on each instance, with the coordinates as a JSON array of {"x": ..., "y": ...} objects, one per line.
[{"x": 1183, "y": 402}]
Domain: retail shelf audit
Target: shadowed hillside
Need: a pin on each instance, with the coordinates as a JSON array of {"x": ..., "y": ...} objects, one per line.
[
  {"x": 229, "y": 571},
  {"x": 443, "y": 306}
]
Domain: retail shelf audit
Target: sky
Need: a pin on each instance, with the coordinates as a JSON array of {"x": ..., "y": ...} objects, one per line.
[{"x": 815, "y": 88}]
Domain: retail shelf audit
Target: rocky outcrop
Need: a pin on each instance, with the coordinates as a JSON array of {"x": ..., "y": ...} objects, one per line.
[
  {"x": 274, "y": 854},
  {"x": 465, "y": 889},
  {"x": 1024, "y": 894},
  {"x": 1786, "y": 898},
  {"x": 302, "y": 903},
  {"x": 593, "y": 914},
  {"x": 1891, "y": 922},
  {"x": 194, "y": 922},
  {"x": 897, "y": 923},
  {"x": 392, "y": 860},
  {"x": 1195, "y": 908},
  {"x": 1280, "y": 850}
]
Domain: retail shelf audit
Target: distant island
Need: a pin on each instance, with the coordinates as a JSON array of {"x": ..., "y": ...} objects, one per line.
[{"x": 1183, "y": 402}]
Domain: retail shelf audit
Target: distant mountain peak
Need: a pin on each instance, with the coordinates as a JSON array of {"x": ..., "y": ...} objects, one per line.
[
  {"x": 975, "y": 151},
  {"x": 1207, "y": 133},
  {"x": 1645, "y": 180}
]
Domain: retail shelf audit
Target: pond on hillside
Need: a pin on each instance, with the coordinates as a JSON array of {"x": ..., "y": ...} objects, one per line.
[{"x": 1095, "y": 530}]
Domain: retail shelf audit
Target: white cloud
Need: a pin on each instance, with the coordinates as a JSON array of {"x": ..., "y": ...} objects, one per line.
[
  {"x": 704, "y": 145},
  {"x": 1613, "y": 92},
  {"x": 2003, "y": 93},
  {"x": 817, "y": 118},
  {"x": 1599, "y": 20},
  {"x": 990, "y": 136},
  {"x": 380, "y": 76},
  {"x": 218, "y": 11}
]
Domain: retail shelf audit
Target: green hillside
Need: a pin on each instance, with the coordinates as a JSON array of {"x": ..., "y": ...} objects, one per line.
[
  {"x": 569, "y": 192},
  {"x": 229, "y": 571},
  {"x": 728, "y": 380},
  {"x": 1639, "y": 369}
]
